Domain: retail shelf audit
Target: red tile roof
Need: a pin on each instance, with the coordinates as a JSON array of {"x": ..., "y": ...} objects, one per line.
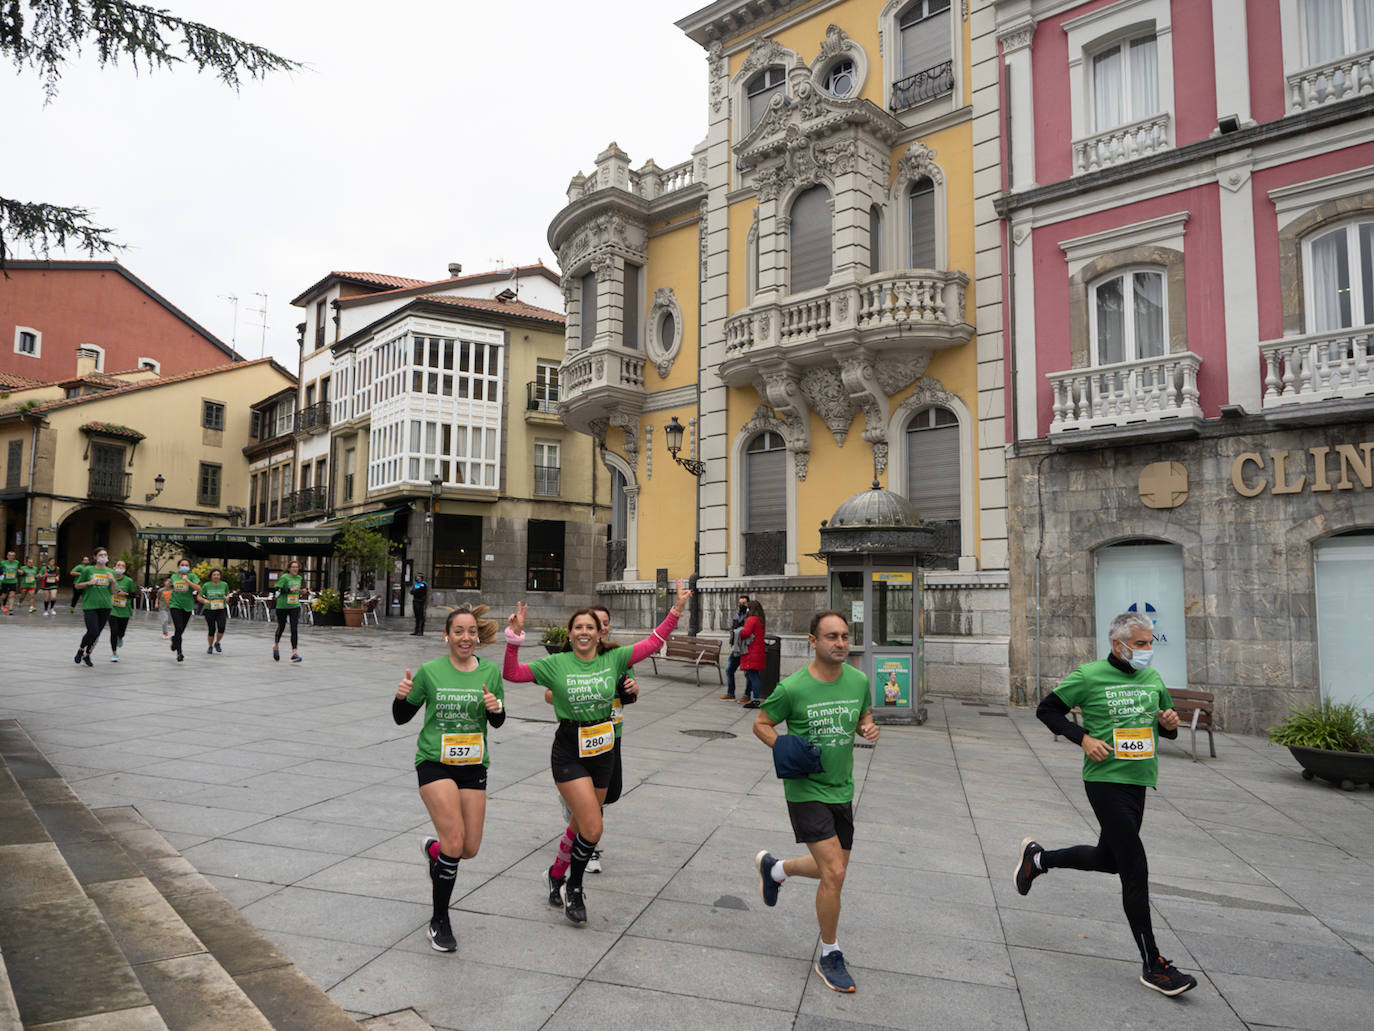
[
  {"x": 517, "y": 308},
  {"x": 13, "y": 382},
  {"x": 380, "y": 279}
]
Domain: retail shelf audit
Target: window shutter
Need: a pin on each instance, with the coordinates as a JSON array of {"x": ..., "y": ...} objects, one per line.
[
  {"x": 588, "y": 309},
  {"x": 925, "y": 44},
  {"x": 765, "y": 475},
  {"x": 630, "y": 308},
  {"x": 811, "y": 239},
  {"x": 932, "y": 472},
  {"x": 922, "y": 203}
]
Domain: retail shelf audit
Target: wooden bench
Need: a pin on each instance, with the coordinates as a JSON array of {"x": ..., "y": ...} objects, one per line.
[
  {"x": 692, "y": 650},
  {"x": 1194, "y": 710}
]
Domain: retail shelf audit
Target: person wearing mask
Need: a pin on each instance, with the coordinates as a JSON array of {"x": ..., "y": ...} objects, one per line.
[
  {"x": 121, "y": 607},
  {"x": 162, "y": 601},
  {"x": 1126, "y": 709},
  {"x": 9, "y": 582},
  {"x": 737, "y": 647},
  {"x": 185, "y": 586},
  {"x": 213, "y": 598},
  {"x": 76, "y": 591},
  {"x": 462, "y": 696},
  {"x": 94, "y": 583},
  {"x": 28, "y": 583},
  {"x": 752, "y": 659},
  {"x": 419, "y": 598},
  {"x": 288, "y": 609},
  {"x": 49, "y": 578}
]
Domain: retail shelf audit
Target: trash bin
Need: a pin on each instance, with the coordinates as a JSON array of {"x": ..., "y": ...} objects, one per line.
[{"x": 772, "y": 663}]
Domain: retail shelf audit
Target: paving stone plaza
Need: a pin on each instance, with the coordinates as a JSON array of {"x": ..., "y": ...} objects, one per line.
[{"x": 292, "y": 792}]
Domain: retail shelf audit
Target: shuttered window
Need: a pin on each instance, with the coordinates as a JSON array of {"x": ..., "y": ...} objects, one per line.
[
  {"x": 765, "y": 471},
  {"x": 932, "y": 464},
  {"x": 630, "y": 337},
  {"x": 875, "y": 238},
  {"x": 810, "y": 239},
  {"x": 924, "y": 28},
  {"x": 588, "y": 309},
  {"x": 922, "y": 207},
  {"x": 759, "y": 90}
]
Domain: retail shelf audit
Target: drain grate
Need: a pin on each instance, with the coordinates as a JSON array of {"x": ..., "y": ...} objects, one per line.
[
  {"x": 1002, "y": 714},
  {"x": 710, "y": 735}
]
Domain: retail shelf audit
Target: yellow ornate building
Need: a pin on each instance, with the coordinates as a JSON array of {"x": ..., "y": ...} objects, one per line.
[{"x": 813, "y": 297}]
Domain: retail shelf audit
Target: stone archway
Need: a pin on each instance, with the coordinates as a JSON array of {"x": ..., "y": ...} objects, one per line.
[{"x": 89, "y": 526}]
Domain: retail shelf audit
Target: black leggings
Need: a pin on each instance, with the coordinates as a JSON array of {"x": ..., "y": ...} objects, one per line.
[
  {"x": 180, "y": 617},
  {"x": 118, "y": 624},
  {"x": 95, "y": 625},
  {"x": 294, "y": 615},
  {"x": 1120, "y": 810},
  {"x": 215, "y": 621},
  {"x": 617, "y": 777}
]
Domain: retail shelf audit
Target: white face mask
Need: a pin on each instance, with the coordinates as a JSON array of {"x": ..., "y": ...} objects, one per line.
[
  {"x": 100, "y": 560},
  {"x": 1141, "y": 658},
  {"x": 184, "y": 569},
  {"x": 119, "y": 570}
]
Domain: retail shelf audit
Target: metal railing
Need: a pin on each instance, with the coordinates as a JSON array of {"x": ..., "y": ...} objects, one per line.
[
  {"x": 109, "y": 484},
  {"x": 1337, "y": 80},
  {"x": 546, "y": 480},
  {"x": 306, "y": 501},
  {"x": 927, "y": 85},
  {"x": 1124, "y": 393},
  {"x": 1319, "y": 367},
  {"x": 313, "y": 419},
  {"x": 765, "y": 552},
  {"x": 1123, "y": 143},
  {"x": 541, "y": 397}
]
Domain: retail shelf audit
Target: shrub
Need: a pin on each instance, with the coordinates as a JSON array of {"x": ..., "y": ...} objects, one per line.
[
  {"x": 1336, "y": 726},
  {"x": 555, "y": 636},
  {"x": 327, "y": 602}
]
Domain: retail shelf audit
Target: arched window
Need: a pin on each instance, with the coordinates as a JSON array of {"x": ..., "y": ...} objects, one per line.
[
  {"x": 932, "y": 465},
  {"x": 921, "y": 211},
  {"x": 875, "y": 239},
  {"x": 765, "y": 505},
  {"x": 759, "y": 90},
  {"x": 588, "y": 310},
  {"x": 841, "y": 77},
  {"x": 1127, "y": 316},
  {"x": 1339, "y": 274},
  {"x": 810, "y": 243}
]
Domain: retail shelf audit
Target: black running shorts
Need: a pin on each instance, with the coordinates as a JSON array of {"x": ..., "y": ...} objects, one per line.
[
  {"x": 817, "y": 821},
  {"x": 468, "y": 778},
  {"x": 567, "y": 765}
]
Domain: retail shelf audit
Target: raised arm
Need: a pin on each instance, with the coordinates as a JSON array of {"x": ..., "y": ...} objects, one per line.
[
  {"x": 641, "y": 650},
  {"x": 513, "y": 669}
]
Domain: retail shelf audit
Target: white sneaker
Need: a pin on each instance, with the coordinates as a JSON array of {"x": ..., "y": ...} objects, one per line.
[{"x": 594, "y": 863}]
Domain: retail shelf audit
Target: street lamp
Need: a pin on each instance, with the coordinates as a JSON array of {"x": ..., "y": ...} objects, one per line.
[
  {"x": 673, "y": 436},
  {"x": 159, "y": 483},
  {"x": 436, "y": 488}
]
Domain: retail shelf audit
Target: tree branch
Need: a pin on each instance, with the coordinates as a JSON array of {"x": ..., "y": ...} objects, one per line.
[{"x": 43, "y": 226}]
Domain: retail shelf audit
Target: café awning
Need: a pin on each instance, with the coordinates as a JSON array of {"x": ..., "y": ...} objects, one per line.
[
  {"x": 245, "y": 543},
  {"x": 371, "y": 520}
]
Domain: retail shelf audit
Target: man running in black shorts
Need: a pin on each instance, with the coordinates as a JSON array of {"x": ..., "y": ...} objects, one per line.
[
  {"x": 1126, "y": 708},
  {"x": 824, "y": 705}
]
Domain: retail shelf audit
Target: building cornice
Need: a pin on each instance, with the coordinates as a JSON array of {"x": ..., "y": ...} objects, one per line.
[{"x": 727, "y": 20}]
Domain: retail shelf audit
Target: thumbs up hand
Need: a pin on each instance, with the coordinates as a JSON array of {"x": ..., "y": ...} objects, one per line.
[
  {"x": 403, "y": 688},
  {"x": 492, "y": 703}
]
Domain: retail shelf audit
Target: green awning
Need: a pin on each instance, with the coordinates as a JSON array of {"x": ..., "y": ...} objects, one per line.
[
  {"x": 245, "y": 543},
  {"x": 381, "y": 517}
]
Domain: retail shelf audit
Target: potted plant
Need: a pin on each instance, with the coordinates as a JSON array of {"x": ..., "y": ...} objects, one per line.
[
  {"x": 328, "y": 608},
  {"x": 1332, "y": 740},
  {"x": 368, "y": 550},
  {"x": 352, "y": 610},
  {"x": 555, "y": 637}
]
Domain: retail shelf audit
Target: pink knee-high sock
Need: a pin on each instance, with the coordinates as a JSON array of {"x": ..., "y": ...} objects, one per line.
[{"x": 560, "y": 864}]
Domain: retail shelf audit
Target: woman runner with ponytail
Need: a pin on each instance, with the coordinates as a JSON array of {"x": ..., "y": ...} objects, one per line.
[
  {"x": 582, "y": 758},
  {"x": 462, "y": 695}
]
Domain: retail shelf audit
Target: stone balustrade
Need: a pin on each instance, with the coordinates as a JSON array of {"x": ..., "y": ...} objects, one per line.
[
  {"x": 1318, "y": 367},
  {"x": 1124, "y": 143},
  {"x": 1125, "y": 393},
  {"x": 1333, "y": 81}
]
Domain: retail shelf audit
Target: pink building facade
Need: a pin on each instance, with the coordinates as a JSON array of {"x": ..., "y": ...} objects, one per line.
[{"x": 1188, "y": 282}]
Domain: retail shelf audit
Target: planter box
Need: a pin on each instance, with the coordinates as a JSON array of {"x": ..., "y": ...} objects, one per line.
[
  {"x": 353, "y": 617},
  {"x": 1344, "y": 769},
  {"x": 553, "y": 649},
  {"x": 329, "y": 619}
]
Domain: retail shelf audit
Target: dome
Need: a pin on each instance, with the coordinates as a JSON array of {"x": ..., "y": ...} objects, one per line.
[{"x": 876, "y": 507}]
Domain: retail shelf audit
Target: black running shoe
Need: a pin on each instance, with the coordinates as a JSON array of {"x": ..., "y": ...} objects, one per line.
[
  {"x": 1167, "y": 979},
  {"x": 574, "y": 904},
  {"x": 834, "y": 973},
  {"x": 1026, "y": 870},
  {"x": 87, "y": 659},
  {"x": 79, "y": 653},
  {"x": 768, "y": 888},
  {"x": 555, "y": 887},
  {"x": 441, "y": 935},
  {"x": 180, "y": 657}
]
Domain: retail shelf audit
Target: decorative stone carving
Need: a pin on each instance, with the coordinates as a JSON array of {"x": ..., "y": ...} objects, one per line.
[
  {"x": 836, "y": 43},
  {"x": 826, "y": 395},
  {"x": 649, "y": 450},
  {"x": 860, "y": 380},
  {"x": 1015, "y": 38},
  {"x": 715, "y": 72},
  {"x": 879, "y": 458},
  {"x": 929, "y": 392},
  {"x": 629, "y": 425},
  {"x": 782, "y": 390},
  {"x": 804, "y": 162},
  {"x": 604, "y": 265},
  {"x": 762, "y": 53},
  {"x": 598, "y": 431},
  {"x": 703, "y": 224},
  {"x": 918, "y": 161},
  {"x": 665, "y": 302},
  {"x": 764, "y": 419},
  {"x": 895, "y": 373}
]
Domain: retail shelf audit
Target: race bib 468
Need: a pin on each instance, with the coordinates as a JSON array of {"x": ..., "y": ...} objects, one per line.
[{"x": 1134, "y": 742}]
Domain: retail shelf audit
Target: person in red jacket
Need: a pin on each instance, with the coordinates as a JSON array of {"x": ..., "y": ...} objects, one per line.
[{"x": 751, "y": 662}]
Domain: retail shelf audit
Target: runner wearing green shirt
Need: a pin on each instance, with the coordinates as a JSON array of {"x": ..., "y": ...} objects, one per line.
[
  {"x": 48, "y": 580},
  {"x": 121, "y": 608},
  {"x": 185, "y": 587},
  {"x": 824, "y": 704},
  {"x": 1126, "y": 708},
  {"x": 94, "y": 582},
  {"x": 288, "y": 609},
  {"x": 28, "y": 583},
  {"x": 75, "y": 575},
  {"x": 462, "y": 696},
  {"x": 583, "y": 682},
  {"x": 214, "y": 594},
  {"x": 9, "y": 581}
]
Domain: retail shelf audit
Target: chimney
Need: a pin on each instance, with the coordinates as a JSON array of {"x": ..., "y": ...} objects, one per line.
[
  {"x": 86, "y": 361},
  {"x": 454, "y": 270}
]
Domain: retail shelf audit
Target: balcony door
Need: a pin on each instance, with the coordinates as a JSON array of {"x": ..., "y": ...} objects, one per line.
[{"x": 107, "y": 471}]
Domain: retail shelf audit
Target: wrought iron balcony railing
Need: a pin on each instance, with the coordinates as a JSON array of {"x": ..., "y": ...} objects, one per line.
[
  {"x": 541, "y": 397},
  {"x": 109, "y": 485},
  {"x": 546, "y": 480},
  {"x": 765, "y": 552},
  {"x": 927, "y": 85},
  {"x": 313, "y": 419}
]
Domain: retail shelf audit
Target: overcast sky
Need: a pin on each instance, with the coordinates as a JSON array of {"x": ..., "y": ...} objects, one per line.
[{"x": 420, "y": 132}]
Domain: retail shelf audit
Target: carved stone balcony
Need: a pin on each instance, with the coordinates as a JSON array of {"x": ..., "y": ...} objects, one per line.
[
  {"x": 1124, "y": 143},
  {"x": 1319, "y": 367},
  {"x": 1341, "y": 79},
  {"x": 1128, "y": 396},
  {"x": 890, "y": 311},
  {"x": 598, "y": 382}
]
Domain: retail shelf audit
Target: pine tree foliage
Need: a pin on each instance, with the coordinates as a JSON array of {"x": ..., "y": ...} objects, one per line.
[{"x": 40, "y": 35}]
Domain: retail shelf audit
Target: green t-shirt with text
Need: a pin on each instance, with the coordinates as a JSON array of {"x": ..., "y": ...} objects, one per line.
[
  {"x": 28, "y": 577},
  {"x": 454, "y": 711},
  {"x": 825, "y": 714},
  {"x": 9, "y": 570},
  {"x": 51, "y": 578},
  {"x": 583, "y": 692},
  {"x": 1121, "y": 709},
  {"x": 214, "y": 595},
  {"x": 99, "y": 580},
  {"x": 288, "y": 591},
  {"x": 184, "y": 591},
  {"x": 121, "y": 595}
]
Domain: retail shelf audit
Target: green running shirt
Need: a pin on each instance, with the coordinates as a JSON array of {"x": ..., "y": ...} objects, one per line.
[
  {"x": 1121, "y": 709},
  {"x": 826, "y": 715},
  {"x": 453, "y": 709}
]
